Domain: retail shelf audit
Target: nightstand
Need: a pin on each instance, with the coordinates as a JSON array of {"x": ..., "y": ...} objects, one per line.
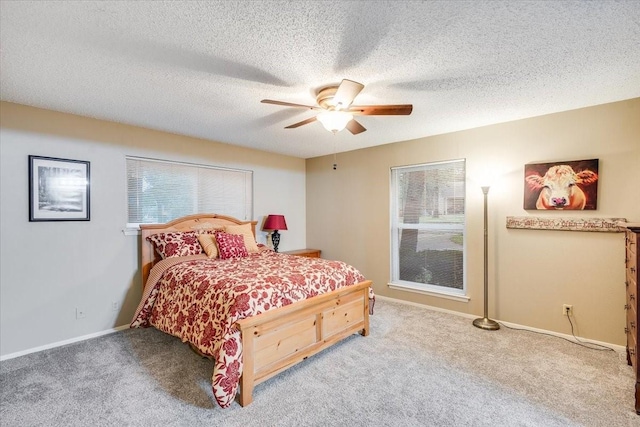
[{"x": 311, "y": 253}]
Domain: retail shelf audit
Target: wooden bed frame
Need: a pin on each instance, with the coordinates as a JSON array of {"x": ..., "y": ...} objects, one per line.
[{"x": 280, "y": 338}]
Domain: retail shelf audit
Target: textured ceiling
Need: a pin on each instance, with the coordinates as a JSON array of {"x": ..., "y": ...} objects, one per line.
[{"x": 200, "y": 68}]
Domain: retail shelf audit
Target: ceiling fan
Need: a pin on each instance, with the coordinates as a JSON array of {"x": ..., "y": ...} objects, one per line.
[{"x": 336, "y": 111}]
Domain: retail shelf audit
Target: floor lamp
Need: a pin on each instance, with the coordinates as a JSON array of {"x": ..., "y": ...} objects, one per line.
[{"x": 485, "y": 322}]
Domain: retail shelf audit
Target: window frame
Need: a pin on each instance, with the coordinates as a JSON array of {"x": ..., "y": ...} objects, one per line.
[{"x": 396, "y": 227}]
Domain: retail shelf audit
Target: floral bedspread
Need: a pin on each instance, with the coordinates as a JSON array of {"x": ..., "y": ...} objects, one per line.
[{"x": 199, "y": 300}]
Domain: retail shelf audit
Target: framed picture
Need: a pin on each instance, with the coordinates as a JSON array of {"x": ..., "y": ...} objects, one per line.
[
  {"x": 58, "y": 189},
  {"x": 566, "y": 185}
]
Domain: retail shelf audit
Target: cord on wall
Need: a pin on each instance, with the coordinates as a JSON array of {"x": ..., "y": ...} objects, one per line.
[{"x": 589, "y": 345}]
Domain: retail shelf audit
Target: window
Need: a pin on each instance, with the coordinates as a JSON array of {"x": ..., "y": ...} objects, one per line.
[
  {"x": 427, "y": 227},
  {"x": 159, "y": 191}
]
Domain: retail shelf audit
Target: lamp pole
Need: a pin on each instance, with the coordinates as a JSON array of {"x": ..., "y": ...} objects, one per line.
[{"x": 485, "y": 322}]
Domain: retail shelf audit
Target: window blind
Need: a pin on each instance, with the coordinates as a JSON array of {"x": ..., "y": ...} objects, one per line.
[
  {"x": 428, "y": 225},
  {"x": 159, "y": 191}
]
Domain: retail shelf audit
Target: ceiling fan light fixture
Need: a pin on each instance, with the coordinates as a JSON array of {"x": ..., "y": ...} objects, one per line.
[
  {"x": 334, "y": 121},
  {"x": 335, "y": 111}
]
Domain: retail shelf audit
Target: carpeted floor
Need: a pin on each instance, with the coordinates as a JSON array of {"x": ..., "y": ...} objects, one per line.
[{"x": 418, "y": 367}]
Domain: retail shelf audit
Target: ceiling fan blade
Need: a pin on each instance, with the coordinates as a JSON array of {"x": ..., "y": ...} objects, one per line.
[
  {"x": 355, "y": 127},
  {"x": 304, "y": 122},
  {"x": 346, "y": 93},
  {"x": 382, "y": 110},
  {"x": 289, "y": 104}
]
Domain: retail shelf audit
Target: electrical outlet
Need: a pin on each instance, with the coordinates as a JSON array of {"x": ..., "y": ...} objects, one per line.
[
  {"x": 80, "y": 313},
  {"x": 567, "y": 310},
  {"x": 115, "y": 306}
]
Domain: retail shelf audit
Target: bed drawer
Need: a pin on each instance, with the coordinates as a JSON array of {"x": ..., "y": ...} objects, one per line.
[
  {"x": 288, "y": 339},
  {"x": 342, "y": 317},
  {"x": 285, "y": 340},
  {"x": 278, "y": 339}
]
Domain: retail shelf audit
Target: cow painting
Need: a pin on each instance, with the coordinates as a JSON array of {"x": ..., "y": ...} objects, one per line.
[{"x": 561, "y": 186}]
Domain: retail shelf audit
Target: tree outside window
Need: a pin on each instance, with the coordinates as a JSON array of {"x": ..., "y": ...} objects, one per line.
[{"x": 428, "y": 226}]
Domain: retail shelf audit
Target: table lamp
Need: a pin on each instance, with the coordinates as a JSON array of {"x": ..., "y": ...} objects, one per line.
[{"x": 275, "y": 223}]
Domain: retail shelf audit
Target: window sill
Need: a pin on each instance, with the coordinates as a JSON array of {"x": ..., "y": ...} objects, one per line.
[
  {"x": 430, "y": 292},
  {"x": 131, "y": 231}
]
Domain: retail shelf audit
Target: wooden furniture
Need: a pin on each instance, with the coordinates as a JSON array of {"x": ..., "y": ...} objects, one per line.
[
  {"x": 277, "y": 339},
  {"x": 311, "y": 253},
  {"x": 632, "y": 260},
  {"x": 187, "y": 223}
]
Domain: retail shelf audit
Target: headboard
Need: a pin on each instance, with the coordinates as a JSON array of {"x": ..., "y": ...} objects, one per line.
[{"x": 186, "y": 223}]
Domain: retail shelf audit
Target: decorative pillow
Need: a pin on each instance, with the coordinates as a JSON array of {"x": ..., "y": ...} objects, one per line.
[
  {"x": 176, "y": 243},
  {"x": 231, "y": 245},
  {"x": 245, "y": 231},
  {"x": 208, "y": 242}
]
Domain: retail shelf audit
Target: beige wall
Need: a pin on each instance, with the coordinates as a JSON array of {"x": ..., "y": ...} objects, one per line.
[
  {"x": 47, "y": 269},
  {"x": 531, "y": 273}
]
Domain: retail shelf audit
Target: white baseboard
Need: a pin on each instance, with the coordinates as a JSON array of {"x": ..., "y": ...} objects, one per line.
[
  {"x": 61, "y": 343},
  {"x": 616, "y": 347}
]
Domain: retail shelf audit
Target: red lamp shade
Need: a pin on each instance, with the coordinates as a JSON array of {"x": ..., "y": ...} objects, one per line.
[{"x": 275, "y": 222}]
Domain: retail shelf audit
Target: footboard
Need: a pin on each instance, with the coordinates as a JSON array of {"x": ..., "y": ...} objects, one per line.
[{"x": 278, "y": 339}]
